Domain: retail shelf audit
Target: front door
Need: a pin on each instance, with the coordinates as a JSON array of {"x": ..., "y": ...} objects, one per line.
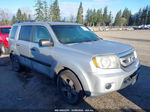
[{"x": 41, "y": 57}]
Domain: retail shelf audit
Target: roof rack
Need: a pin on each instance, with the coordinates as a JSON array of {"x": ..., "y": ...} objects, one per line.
[{"x": 26, "y": 21}]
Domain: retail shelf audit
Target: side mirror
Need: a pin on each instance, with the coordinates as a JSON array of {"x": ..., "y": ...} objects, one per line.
[{"x": 45, "y": 43}]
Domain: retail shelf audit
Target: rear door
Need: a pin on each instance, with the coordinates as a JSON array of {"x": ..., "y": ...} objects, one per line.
[
  {"x": 41, "y": 57},
  {"x": 12, "y": 38},
  {"x": 23, "y": 44}
]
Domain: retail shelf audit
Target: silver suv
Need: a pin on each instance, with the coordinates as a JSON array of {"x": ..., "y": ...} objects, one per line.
[{"x": 82, "y": 63}]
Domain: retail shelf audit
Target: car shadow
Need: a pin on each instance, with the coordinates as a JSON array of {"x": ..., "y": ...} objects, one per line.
[
  {"x": 32, "y": 91},
  {"x": 139, "y": 93},
  {"x": 4, "y": 60}
]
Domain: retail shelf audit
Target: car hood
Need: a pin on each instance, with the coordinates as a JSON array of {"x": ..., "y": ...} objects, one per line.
[{"x": 100, "y": 47}]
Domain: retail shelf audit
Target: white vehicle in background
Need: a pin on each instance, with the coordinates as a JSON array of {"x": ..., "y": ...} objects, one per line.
[{"x": 142, "y": 27}]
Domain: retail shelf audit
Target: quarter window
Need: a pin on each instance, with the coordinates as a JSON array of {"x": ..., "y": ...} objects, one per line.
[
  {"x": 25, "y": 33},
  {"x": 40, "y": 32},
  {"x": 13, "y": 32}
]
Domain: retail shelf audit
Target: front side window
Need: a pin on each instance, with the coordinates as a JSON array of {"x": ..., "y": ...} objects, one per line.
[
  {"x": 13, "y": 32},
  {"x": 40, "y": 32},
  {"x": 25, "y": 33},
  {"x": 5, "y": 30},
  {"x": 73, "y": 34}
]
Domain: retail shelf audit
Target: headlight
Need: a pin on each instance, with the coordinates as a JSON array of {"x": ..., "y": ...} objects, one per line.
[{"x": 106, "y": 62}]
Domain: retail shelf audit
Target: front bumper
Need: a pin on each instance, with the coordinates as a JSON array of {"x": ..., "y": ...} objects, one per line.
[{"x": 108, "y": 83}]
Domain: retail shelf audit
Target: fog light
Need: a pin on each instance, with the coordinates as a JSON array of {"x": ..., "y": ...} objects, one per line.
[{"x": 108, "y": 86}]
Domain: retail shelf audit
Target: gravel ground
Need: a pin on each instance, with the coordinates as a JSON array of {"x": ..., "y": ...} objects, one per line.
[{"x": 32, "y": 91}]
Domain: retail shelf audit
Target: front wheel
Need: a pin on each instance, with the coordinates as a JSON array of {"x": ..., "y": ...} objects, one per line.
[{"x": 69, "y": 87}]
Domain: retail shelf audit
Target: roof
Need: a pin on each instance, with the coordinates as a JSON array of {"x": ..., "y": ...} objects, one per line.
[
  {"x": 51, "y": 23},
  {"x": 5, "y": 26},
  {"x": 62, "y": 23}
]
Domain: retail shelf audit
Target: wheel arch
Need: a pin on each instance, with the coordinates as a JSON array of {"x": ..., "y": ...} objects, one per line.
[{"x": 80, "y": 77}]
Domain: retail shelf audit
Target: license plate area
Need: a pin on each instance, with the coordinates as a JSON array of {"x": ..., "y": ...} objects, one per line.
[
  {"x": 131, "y": 79},
  {"x": 133, "y": 75}
]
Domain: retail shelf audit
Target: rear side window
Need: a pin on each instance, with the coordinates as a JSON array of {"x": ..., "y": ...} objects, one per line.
[
  {"x": 25, "y": 33},
  {"x": 13, "y": 32}
]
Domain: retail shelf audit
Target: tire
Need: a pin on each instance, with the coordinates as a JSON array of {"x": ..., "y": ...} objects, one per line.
[
  {"x": 69, "y": 87},
  {"x": 16, "y": 66},
  {"x": 0, "y": 50},
  {"x": 3, "y": 49}
]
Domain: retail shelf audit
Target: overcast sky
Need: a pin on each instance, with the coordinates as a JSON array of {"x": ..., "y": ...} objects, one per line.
[{"x": 70, "y": 7}]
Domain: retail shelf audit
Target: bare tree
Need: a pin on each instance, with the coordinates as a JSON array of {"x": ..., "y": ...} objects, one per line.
[
  {"x": 4, "y": 17},
  {"x": 72, "y": 18},
  {"x": 26, "y": 10}
]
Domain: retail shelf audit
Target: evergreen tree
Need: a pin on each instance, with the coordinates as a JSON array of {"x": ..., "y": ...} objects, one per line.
[
  {"x": 148, "y": 20},
  {"x": 138, "y": 18},
  {"x": 118, "y": 19},
  {"x": 88, "y": 17},
  {"x": 105, "y": 16},
  {"x": 29, "y": 17},
  {"x": 142, "y": 17},
  {"x": 145, "y": 15},
  {"x": 24, "y": 17},
  {"x": 123, "y": 21},
  {"x": 45, "y": 10},
  {"x": 109, "y": 18},
  {"x": 89, "y": 14},
  {"x": 39, "y": 11},
  {"x": 99, "y": 17},
  {"x": 80, "y": 14},
  {"x": 126, "y": 14},
  {"x": 19, "y": 16},
  {"x": 13, "y": 21},
  {"x": 131, "y": 21},
  {"x": 55, "y": 11},
  {"x": 94, "y": 19}
]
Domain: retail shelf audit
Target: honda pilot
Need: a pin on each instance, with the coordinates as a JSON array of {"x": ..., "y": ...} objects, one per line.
[{"x": 81, "y": 63}]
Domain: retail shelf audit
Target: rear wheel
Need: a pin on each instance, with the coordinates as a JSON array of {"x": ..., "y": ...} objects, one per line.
[
  {"x": 69, "y": 87},
  {"x": 16, "y": 66}
]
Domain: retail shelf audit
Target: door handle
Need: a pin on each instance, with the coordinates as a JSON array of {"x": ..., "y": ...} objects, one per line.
[
  {"x": 17, "y": 44},
  {"x": 33, "y": 49}
]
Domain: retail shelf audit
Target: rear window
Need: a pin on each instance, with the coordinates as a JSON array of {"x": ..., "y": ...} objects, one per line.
[
  {"x": 13, "y": 32},
  {"x": 5, "y": 30},
  {"x": 25, "y": 33}
]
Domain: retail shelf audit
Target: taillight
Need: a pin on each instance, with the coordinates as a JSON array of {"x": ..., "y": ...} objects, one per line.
[{"x": 7, "y": 38}]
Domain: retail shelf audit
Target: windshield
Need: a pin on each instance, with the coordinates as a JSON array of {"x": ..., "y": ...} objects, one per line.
[
  {"x": 5, "y": 30},
  {"x": 73, "y": 34}
]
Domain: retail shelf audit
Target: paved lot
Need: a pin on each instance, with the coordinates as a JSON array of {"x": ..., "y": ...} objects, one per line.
[{"x": 33, "y": 91}]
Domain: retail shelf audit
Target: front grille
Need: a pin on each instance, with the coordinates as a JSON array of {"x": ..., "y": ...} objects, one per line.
[{"x": 127, "y": 59}]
